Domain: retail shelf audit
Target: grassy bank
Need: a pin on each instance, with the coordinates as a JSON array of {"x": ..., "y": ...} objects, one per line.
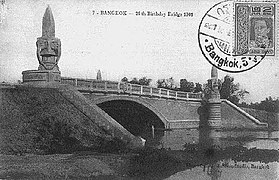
[
  {"x": 271, "y": 118},
  {"x": 41, "y": 121},
  {"x": 64, "y": 166}
]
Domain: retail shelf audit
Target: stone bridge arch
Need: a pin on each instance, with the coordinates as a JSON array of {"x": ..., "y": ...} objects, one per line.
[{"x": 139, "y": 100}]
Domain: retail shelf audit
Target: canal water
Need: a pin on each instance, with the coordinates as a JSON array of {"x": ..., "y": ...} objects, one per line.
[{"x": 210, "y": 154}]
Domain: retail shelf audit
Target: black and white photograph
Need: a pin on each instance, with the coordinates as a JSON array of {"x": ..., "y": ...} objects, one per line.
[{"x": 139, "y": 89}]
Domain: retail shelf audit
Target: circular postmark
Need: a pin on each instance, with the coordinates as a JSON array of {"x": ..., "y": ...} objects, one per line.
[{"x": 225, "y": 35}]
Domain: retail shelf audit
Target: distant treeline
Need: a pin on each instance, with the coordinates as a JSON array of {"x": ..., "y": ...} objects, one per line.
[
  {"x": 228, "y": 88},
  {"x": 269, "y": 104},
  {"x": 168, "y": 83}
]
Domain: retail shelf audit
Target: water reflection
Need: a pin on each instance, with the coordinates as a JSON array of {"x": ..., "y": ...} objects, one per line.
[
  {"x": 175, "y": 139},
  {"x": 209, "y": 154},
  {"x": 213, "y": 171}
]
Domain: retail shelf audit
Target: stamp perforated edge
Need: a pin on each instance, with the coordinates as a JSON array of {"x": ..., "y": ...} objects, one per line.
[{"x": 276, "y": 25}]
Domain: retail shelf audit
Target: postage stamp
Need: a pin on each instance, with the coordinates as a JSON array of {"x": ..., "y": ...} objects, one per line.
[
  {"x": 255, "y": 28},
  {"x": 3, "y": 10},
  {"x": 236, "y": 36}
]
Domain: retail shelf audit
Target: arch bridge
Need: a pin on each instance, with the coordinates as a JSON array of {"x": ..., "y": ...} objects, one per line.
[
  {"x": 131, "y": 104},
  {"x": 138, "y": 108}
]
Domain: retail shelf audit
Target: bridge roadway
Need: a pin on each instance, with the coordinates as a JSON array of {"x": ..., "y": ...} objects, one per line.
[{"x": 113, "y": 87}]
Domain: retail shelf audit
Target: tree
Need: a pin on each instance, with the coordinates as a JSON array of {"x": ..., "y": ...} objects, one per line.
[
  {"x": 198, "y": 88},
  {"x": 186, "y": 86},
  {"x": 228, "y": 90},
  {"x": 231, "y": 91},
  {"x": 142, "y": 81},
  {"x": 145, "y": 81},
  {"x": 161, "y": 83},
  {"x": 269, "y": 104},
  {"x": 134, "y": 81},
  {"x": 166, "y": 83},
  {"x": 125, "y": 79}
]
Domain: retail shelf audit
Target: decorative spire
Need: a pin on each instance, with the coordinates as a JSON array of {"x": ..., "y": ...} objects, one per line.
[
  {"x": 99, "y": 75},
  {"x": 48, "y": 46},
  {"x": 48, "y": 27},
  {"x": 214, "y": 73}
]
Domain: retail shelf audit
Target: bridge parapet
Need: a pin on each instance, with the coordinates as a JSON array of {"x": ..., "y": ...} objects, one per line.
[{"x": 92, "y": 85}]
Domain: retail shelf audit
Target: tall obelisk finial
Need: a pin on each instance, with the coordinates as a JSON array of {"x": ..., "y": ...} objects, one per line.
[
  {"x": 48, "y": 54},
  {"x": 214, "y": 73},
  {"x": 214, "y": 83},
  {"x": 48, "y": 27},
  {"x": 99, "y": 75}
]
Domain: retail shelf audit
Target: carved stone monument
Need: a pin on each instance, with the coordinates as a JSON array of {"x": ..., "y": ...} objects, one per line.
[
  {"x": 48, "y": 54},
  {"x": 214, "y": 119}
]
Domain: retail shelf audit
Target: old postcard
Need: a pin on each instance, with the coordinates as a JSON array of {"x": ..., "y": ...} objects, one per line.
[{"x": 137, "y": 89}]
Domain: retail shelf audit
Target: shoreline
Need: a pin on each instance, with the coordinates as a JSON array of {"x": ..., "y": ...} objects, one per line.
[{"x": 64, "y": 166}]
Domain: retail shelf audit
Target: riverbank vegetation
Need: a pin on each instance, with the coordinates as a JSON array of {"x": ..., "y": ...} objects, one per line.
[{"x": 269, "y": 104}]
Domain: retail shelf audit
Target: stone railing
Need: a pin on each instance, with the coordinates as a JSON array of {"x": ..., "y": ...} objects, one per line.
[{"x": 91, "y": 85}]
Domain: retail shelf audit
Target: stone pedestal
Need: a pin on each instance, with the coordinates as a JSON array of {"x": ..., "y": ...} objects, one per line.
[
  {"x": 214, "y": 118},
  {"x": 41, "y": 76}
]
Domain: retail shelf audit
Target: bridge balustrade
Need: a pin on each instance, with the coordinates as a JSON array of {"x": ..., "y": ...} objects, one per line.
[
  {"x": 99, "y": 85},
  {"x": 70, "y": 81},
  {"x": 182, "y": 95},
  {"x": 135, "y": 88},
  {"x": 155, "y": 90},
  {"x": 163, "y": 91},
  {"x": 195, "y": 95},
  {"x": 172, "y": 93},
  {"x": 84, "y": 83},
  {"x": 89, "y": 85},
  {"x": 146, "y": 90},
  {"x": 112, "y": 86}
]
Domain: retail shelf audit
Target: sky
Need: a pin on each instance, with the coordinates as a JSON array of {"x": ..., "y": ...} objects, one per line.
[{"x": 121, "y": 46}]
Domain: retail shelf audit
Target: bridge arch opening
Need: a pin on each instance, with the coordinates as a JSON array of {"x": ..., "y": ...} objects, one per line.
[{"x": 134, "y": 117}]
